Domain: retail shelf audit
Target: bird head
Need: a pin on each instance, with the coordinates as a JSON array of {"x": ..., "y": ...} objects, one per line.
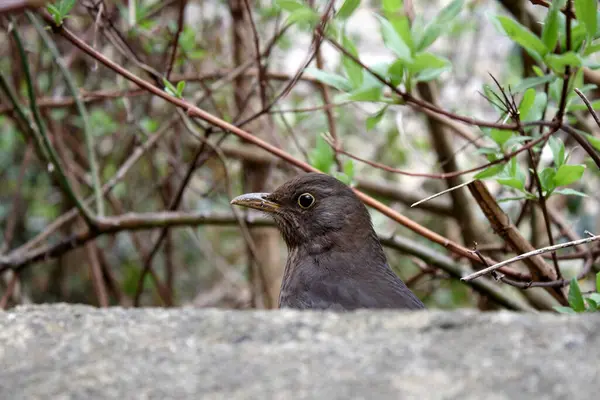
[{"x": 314, "y": 210}]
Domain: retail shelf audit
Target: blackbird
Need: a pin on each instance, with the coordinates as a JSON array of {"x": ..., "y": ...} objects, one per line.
[{"x": 335, "y": 260}]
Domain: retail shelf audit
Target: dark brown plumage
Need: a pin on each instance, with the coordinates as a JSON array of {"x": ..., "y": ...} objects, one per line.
[{"x": 335, "y": 260}]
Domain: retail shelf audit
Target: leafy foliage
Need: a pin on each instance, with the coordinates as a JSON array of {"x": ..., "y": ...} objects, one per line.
[{"x": 578, "y": 303}]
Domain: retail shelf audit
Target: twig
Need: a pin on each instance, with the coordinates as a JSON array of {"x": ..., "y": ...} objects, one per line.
[
  {"x": 589, "y": 106},
  {"x": 520, "y": 257},
  {"x": 440, "y": 193},
  {"x": 41, "y": 135},
  {"x": 87, "y": 132}
]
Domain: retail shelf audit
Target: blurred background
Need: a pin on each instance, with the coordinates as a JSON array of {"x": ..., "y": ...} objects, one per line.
[{"x": 166, "y": 179}]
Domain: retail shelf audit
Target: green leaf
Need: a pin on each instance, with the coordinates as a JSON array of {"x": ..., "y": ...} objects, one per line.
[
  {"x": 500, "y": 136},
  {"x": 349, "y": 169},
  {"x": 558, "y": 151},
  {"x": 390, "y": 6},
  {"x": 362, "y": 94},
  {"x": 401, "y": 24},
  {"x": 290, "y": 5},
  {"x": 393, "y": 41},
  {"x": 598, "y": 284},
  {"x": 570, "y": 192},
  {"x": 428, "y": 66},
  {"x": 169, "y": 88},
  {"x": 65, "y": 6},
  {"x": 322, "y": 156},
  {"x": 558, "y": 62},
  {"x": 547, "y": 179},
  {"x": 533, "y": 82},
  {"x": 550, "y": 29},
  {"x": 586, "y": 11},
  {"x": 180, "y": 88},
  {"x": 353, "y": 70},
  {"x": 592, "y": 305},
  {"x": 594, "y": 141},
  {"x": 348, "y": 8},
  {"x": 582, "y": 107},
  {"x": 306, "y": 14},
  {"x": 489, "y": 172},
  {"x": 527, "y": 103},
  {"x": 568, "y": 174},
  {"x": 575, "y": 298},
  {"x": 591, "y": 49},
  {"x": 521, "y": 35},
  {"x": 564, "y": 310},
  {"x": 395, "y": 72},
  {"x": 537, "y": 110},
  {"x": 338, "y": 82},
  {"x": 439, "y": 24},
  {"x": 512, "y": 182},
  {"x": 374, "y": 119}
]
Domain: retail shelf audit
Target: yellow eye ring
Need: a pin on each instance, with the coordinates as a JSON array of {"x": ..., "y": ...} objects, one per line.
[{"x": 306, "y": 200}]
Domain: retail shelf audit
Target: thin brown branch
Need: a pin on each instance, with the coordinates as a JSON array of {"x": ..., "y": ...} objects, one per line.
[{"x": 589, "y": 106}]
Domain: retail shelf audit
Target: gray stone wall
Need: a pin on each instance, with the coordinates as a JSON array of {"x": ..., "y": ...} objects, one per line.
[{"x": 77, "y": 352}]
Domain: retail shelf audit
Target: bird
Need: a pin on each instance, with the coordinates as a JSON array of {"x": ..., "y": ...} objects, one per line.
[{"x": 335, "y": 260}]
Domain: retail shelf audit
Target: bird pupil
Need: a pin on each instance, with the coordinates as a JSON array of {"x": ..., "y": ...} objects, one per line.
[{"x": 306, "y": 200}]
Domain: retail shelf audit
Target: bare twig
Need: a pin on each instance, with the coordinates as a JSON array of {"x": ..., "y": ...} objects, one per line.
[
  {"x": 529, "y": 254},
  {"x": 589, "y": 106}
]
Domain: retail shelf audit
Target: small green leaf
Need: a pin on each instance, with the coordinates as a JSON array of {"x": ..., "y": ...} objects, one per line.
[
  {"x": 393, "y": 41},
  {"x": 396, "y": 72},
  {"x": 353, "y": 70},
  {"x": 180, "y": 88},
  {"x": 591, "y": 49},
  {"x": 349, "y": 169},
  {"x": 594, "y": 141},
  {"x": 169, "y": 88},
  {"x": 527, "y": 103},
  {"x": 428, "y": 66},
  {"x": 439, "y": 24},
  {"x": 322, "y": 156},
  {"x": 500, "y": 136},
  {"x": 558, "y": 62},
  {"x": 570, "y": 192},
  {"x": 551, "y": 24},
  {"x": 537, "y": 109},
  {"x": 489, "y": 172},
  {"x": 362, "y": 94},
  {"x": 547, "y": 179},
  {"x": 586, "y": 11},
  {"x": 347, "y": 8},
  {"x": 564, "y": 310},
  {"x": 65, "y": 6},
  {"x": 306, "y": 14},
  {"x": 523, "y": 36},
  {"x": 374, "y": 119},
  {"x": 290, "y": 5},
  {"x": 390, "y": 6},
  {"x": 592, "y": 305},
  {"x": 575, "y": 298},
  {"x": 598, "y": 284},
  {"x": 338, "y": 82},
  {"x": 582, "y": 107},
  {"x": 512, "y": 182},
  {"x": 401, "y": 24},
  {"x": 558, "y": 151},
  {"x": 568, "y": 174}
]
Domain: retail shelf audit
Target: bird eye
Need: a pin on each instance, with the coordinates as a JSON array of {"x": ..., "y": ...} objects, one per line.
[{"x": 306, "y": 200}]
